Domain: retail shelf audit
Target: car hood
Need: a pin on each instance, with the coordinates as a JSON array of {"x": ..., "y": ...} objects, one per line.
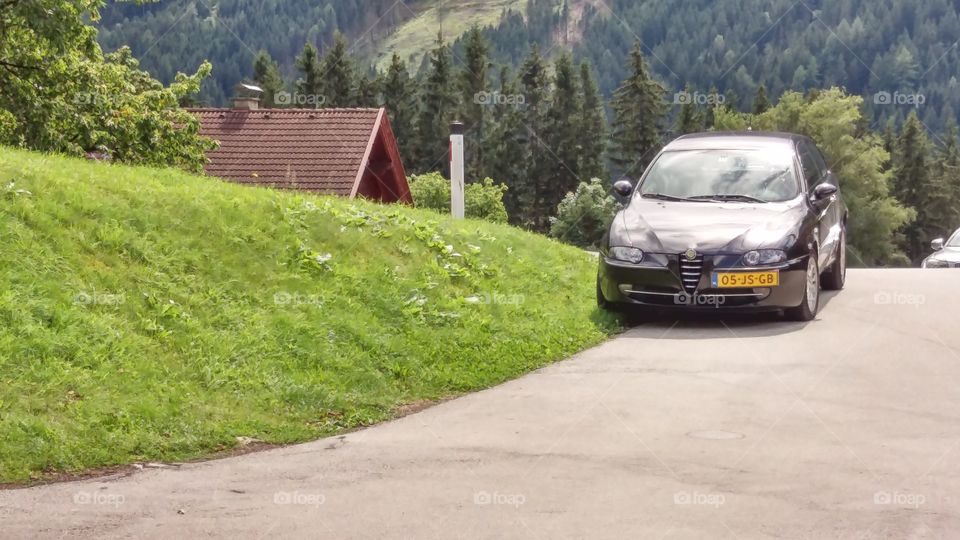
[
  {"x": 950, "y": 254},
  {"x": 673, "y": 227}
]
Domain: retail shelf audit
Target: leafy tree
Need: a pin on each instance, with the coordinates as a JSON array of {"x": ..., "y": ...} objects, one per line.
[
  {"x": 399, "y": 98},
  {"x": 472, "y": 85},
  {"x": 591, "y": 126},
  {"x": 638, "y": 109},
  {"x": 760, "y": 101},
  {"x": 60, "y": 93},
  {"x": 337, "y": 79},
  {"x": 690, "y": 120},
  {"x": 266, "y": 74},
  {"x": 436, "y": 111},
  {"x": 584, "y": 215},
  {"x": 831, "y": 120}
]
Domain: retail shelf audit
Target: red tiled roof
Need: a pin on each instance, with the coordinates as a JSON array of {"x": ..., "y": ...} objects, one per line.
[{"x": 320, "y": 150}]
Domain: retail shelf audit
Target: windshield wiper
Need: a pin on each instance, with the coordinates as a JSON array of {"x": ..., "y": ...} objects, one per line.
[
  {"x": 664, "y": 197},
  {"x": 727, "y": 197}
]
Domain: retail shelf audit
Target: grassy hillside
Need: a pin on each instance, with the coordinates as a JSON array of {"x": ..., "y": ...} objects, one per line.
[
  {"x": 414, "y": 37},
  {"x": 153, "y": 315}
]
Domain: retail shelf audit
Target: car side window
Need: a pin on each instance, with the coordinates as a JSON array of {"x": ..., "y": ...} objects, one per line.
[
  {"x": 820, "y": 162},
  {"x": 813, "y": 166}
]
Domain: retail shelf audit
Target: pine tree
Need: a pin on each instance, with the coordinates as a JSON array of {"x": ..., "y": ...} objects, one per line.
[
  {"x": 562, "y": 138},
  {"x": 309, "y": 85},
  {"x": 266, "y": 75},
  {"x": 438, "y": 105},
  {"x": 709, "y": 116},
  {"x": 473, "y": 87},
  {"x": 760, "y": 101},
  {"x": 948, "y": 170},
  {"x": 920, "y": 188},
  {"x": 638, "y": 109},
  {"x": 368, "y": 89},
  {"x": 538, "y": 161},
  {"x": 338, "y": 78},
  {"x": 731, "y": 101},
  {"x": 399, "y": 98},
  {"x": 690, "y": 119},
  {"x": 591, "y": 125},
  {"x": 506, "y": 143}
]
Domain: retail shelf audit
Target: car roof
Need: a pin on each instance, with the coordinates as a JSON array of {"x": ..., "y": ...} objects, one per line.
[{"x": 735, "y": 140}]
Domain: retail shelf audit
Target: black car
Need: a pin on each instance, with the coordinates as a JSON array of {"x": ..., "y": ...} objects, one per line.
[
  {"x": 729, "y": 222},
  {"x": 945, "y": 254}
]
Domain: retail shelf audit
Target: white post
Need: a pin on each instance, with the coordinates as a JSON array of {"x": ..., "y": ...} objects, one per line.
[{"x": 456, "y": 170}]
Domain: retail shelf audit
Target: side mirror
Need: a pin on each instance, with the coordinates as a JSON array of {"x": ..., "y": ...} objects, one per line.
[
  {"x": 937, "y": 244},
  {"x": 623, "y": 189},
  {"x": 824, "y": 191}
]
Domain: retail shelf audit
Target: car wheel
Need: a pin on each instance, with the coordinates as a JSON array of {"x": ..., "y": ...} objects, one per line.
[
  {"x": 807, "y": 310},
  {"x": 834, "y": 278}
]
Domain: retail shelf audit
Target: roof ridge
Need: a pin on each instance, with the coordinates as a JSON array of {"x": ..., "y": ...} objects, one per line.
[{"x": 286, "y": 110}]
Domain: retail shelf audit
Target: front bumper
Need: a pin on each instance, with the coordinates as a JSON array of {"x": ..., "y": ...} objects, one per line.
[{"x": 662, "y": 287}]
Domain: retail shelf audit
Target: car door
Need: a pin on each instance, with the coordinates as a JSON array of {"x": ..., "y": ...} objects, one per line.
[{"x": 828, "y": 222}]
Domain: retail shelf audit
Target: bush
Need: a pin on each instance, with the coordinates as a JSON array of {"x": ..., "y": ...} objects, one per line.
[
  {"x": 584, "y": 215},
  {"x": 482, "y": 200}
]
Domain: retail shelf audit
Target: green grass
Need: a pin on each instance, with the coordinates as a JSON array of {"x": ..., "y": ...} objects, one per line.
[
  {"x": 153, "y": 315},
  {"x": 418, "y": 35}
]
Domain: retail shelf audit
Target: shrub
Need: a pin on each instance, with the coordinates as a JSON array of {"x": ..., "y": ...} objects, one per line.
[
  {"x": 584, "y": 215},
  {"x": 482, "y": 200}
]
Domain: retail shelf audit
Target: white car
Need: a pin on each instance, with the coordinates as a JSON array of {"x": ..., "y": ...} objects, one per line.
[{"x": 945, "y": 254}]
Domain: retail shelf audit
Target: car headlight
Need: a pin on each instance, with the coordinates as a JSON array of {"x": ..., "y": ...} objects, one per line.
[
  {"x": 934, "y": 263},
  {"x": 764, "y": 256},
  {"x": 628, "y": 254}
]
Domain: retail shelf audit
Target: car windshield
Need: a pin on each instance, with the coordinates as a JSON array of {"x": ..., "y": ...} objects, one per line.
[
  {"x": 752, "y": 175},
  {"x": 954, "y": 240}
]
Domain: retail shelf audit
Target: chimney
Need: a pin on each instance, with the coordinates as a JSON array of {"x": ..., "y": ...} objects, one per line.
[{"x": 248, "y": 97}]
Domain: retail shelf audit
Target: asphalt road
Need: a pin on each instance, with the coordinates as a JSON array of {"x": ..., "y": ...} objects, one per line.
[{"x": 846, "y": 427}]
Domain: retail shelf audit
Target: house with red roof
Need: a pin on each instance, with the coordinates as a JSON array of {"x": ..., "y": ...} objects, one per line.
[{"x": 345, "y": 152}]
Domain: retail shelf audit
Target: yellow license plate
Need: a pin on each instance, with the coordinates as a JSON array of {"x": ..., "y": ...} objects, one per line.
[{"x": 732, "y": 280}]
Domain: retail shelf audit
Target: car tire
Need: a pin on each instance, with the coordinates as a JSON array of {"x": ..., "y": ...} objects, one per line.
[
  {"x": 602, "y": 301},
  {"x": 807, "y": 310},
  {"x": 836, "y": 276}
]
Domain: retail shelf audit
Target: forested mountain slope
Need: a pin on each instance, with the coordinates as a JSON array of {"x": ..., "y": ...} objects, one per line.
[{"x": 900, "y": 47}]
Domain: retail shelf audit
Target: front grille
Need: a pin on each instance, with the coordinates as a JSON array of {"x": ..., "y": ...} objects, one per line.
[{"x": 690, "y": 273}]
